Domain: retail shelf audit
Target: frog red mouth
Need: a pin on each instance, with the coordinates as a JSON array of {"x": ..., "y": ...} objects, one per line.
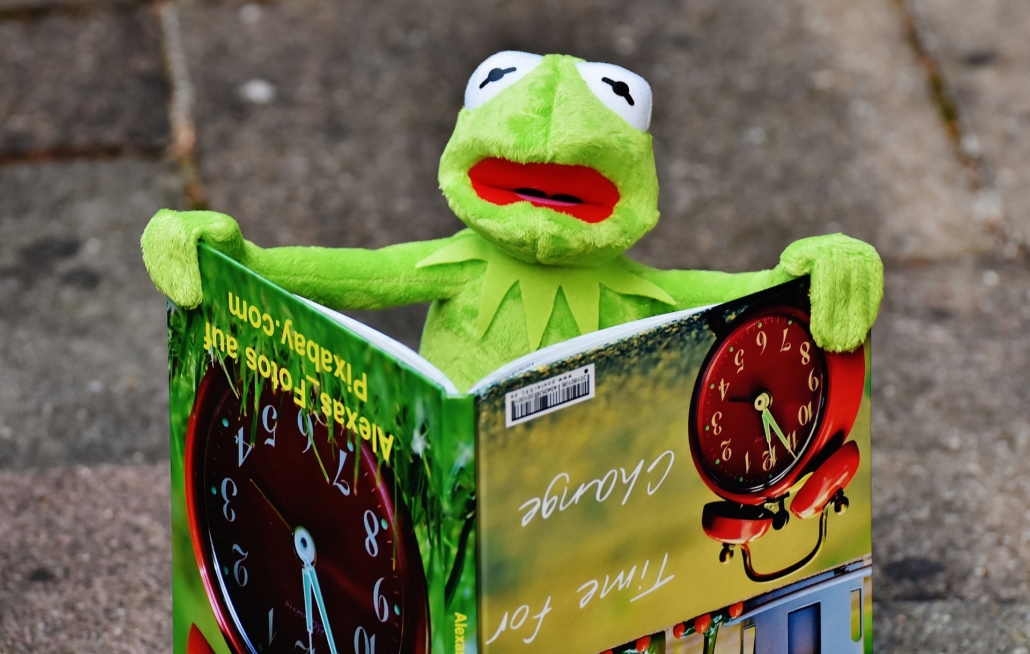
[{"x": 578, "y": 191}]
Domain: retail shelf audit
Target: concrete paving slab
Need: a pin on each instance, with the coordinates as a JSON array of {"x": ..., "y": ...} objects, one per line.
[
  {"x": 805, "y": 118},
  {"x": 904, "y": 159},
  {"x": 81, "y": 85},
  {"x": 984, "y": 51},
  {"x": 85, "y": 560},
  {"x": 951, "y": 628},
  {"x": 34, "y": 9},
  {"x": 82, "y": 336},
  {"x": 951, "y": 435}
]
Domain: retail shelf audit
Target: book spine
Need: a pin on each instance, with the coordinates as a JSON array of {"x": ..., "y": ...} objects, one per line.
[{"x": 453, "y": 583}]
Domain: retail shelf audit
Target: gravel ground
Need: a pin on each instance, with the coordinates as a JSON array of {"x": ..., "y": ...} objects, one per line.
[{"x": 905, "y": 123}]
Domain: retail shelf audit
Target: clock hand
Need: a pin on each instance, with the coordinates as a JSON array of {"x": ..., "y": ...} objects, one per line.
[
  {"x": 321, "y": 608},
  {"x": 270, "y": 505},
  {"x": 768, "y": 434},
  {"x": 762, "y": 403},
  {"x": 305, "y": 547},
  {"x": 769, "y": 421}
]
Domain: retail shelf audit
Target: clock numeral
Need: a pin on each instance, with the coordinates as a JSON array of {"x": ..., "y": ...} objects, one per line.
[
  {"x": 239, "y": 572},
  {"x": 269, "y": 411},
  {"x": 305, "y": 428},
  {"x": 371, "y": 531},
  {"x": 341, "y": 483},
  {"x": 792, "y": 440},
  {"x": 363, "y": 642},
  {"x": 805, "y": 356},
  {"x": 738, "y": 359},
  {"x": 716, "y": 427},
  {"x": 805, "y": 414},
  {"x": 747, "y": 462},
  {"x": 723, "y": 389},
  {"x": 813, "y": 381},
  {"x": 381, "y": 604},
  {"x": 762, "y": 340},
  {"x": 785, "y": 346},
  {"x": 726, "y": 451},
  {"x": 227, "y": 511},
  {"x": 244, "y": 447},
  {"x": 769, "y": 459}
]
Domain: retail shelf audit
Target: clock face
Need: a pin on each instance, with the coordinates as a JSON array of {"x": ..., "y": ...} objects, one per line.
[
  {"x": 760, "y": 398},
  {"x": 293, "y": 527}
]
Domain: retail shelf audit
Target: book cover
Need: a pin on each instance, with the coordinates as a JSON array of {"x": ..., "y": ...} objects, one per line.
[
  {"x": 698, "y": 482},
  {"x": 656, "y": 503},
  {"x": 322, "y": 490}
]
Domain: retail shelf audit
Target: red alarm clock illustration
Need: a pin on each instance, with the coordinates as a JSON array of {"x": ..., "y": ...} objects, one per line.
[
  {"x": 770, "y": 407},
  {"x": 301, "y": 544}
]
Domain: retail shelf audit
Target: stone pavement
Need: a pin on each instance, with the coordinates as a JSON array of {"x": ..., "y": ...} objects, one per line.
[{"x": 320, "y": 122}]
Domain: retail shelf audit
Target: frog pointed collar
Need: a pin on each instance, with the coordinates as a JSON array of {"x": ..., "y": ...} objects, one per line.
[
  {"x": 539, "y": 285},
  {"x": 550, "y": 160}
]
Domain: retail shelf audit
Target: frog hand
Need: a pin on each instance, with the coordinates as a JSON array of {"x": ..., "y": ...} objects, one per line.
[
  {"x": 847, "y": 286},
  {"x": 170, "y": 250}
]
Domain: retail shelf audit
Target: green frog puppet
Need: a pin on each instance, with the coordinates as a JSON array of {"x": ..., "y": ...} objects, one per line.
[{"x": 551, "y": 167}]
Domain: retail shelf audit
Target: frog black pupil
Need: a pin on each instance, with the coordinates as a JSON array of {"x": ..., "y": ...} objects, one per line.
[
  {"x": 496, "y": 74},
  {"x": 620, "y": 89}
]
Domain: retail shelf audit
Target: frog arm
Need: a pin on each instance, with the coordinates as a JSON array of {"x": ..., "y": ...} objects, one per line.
[
  {"x": 697, "y": 288},
  {"x": 846, "y": 288},
  {"x": 340, "y": 278},
  {"x": 359, "y": 279}
]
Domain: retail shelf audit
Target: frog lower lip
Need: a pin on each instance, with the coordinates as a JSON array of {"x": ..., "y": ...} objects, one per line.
[{"x": 577, "y": 191}]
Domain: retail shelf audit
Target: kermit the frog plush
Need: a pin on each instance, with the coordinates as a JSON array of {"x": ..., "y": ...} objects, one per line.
[{"x": 551, "y": 168}]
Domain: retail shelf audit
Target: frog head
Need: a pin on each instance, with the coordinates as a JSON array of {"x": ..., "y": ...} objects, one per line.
[{"x": 551, "y": 160}]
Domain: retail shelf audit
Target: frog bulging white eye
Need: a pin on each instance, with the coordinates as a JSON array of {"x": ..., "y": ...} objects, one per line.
[
  {"x": 622, "y": 91},
  {"x": 496, "y": 74}
]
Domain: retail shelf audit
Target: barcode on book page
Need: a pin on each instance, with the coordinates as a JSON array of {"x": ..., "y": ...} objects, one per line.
[{"x": 549, "y": 395}]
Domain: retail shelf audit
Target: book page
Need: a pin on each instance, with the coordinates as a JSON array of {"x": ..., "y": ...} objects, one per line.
[
  {"x": 398, "y": 350},
  {"x": 582, "y": 343}
]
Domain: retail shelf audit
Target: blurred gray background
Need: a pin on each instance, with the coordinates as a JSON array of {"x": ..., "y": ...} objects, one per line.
[{"x": 902, "y": 122}]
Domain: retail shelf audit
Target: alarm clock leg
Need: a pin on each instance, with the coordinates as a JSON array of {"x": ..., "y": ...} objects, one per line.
[
  {"x": 840, "y": 502},
  {"x": 782, "y": 516},
  {"x": 726, "y": 555}
]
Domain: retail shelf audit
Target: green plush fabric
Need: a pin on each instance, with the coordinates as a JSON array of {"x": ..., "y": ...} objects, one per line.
[
  {"x": 525, "y": 277},
  {"x": 539, "y": 285},
  {"x": 170, "y": 250}
]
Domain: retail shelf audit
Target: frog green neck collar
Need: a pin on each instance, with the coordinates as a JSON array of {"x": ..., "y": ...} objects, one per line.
[{"x": 539, "y": 285}]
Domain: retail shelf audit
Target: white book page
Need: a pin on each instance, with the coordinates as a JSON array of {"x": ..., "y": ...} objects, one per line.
[
  {"x": 559, "y": 351},
  {"x": 547, "y": 355},
  {"x": 397, "y": 350}
]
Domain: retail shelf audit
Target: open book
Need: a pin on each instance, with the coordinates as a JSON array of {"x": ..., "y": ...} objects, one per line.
[{"x": 694, "y": 482}]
